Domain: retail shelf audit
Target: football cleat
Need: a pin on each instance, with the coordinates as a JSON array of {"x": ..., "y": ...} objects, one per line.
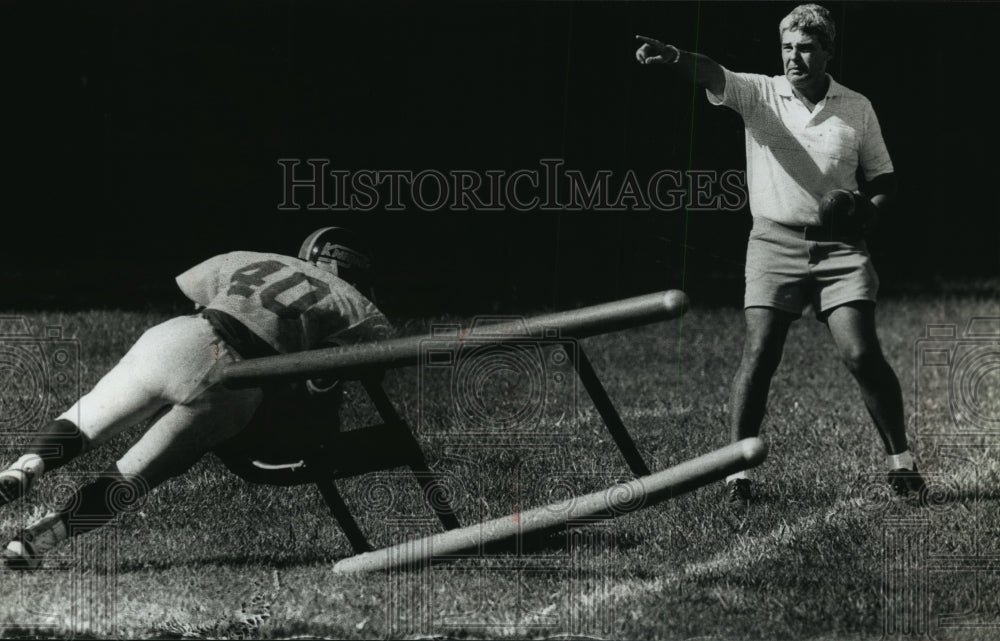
[
  {"x": 25, "y": 552},
  {"x": 906, "y": 482},
  {"x": 738, "y": 491},
  {"x": 14, "y": 484},
  {"x": 20, "y": 555}
]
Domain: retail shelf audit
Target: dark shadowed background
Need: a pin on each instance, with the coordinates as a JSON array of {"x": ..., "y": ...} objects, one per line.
[{"x": 142, "y": 137}]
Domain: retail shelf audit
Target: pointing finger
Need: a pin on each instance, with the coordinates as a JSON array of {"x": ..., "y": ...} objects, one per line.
[{"x": 649, "y": 41}]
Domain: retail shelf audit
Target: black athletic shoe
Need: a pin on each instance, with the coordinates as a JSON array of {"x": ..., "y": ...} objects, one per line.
[
  {"x": 738, "y": 491},
  {"x": 25, "y": 552},
  {"x": 906, "y": 482},
  {"x": 13, "y": 485}
]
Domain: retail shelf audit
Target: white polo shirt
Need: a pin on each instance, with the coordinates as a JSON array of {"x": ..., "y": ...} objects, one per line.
[{"x": 795, "y": 156}]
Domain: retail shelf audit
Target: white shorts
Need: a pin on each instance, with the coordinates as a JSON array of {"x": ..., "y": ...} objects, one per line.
[
  {"x": 787, "y": 271},
  {"x": 165, "y": 376}
]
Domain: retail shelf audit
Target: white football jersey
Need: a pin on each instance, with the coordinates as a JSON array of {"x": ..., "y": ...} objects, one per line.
[{"x": 289, "y": 303}]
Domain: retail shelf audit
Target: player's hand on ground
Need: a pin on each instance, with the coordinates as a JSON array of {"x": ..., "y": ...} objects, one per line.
[{"x": 654, "y": 52}]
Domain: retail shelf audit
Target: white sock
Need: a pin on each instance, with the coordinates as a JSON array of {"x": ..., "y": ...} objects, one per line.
[
  {"x": 31, "y": 464},
  {"x": 903, "y": 460},
  {"x": 738, "y": 475},
  {"x": 16, "y": 548}
]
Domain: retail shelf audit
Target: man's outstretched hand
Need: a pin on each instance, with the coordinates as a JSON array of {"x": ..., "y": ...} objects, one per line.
[{"x": 655, "y": 52}]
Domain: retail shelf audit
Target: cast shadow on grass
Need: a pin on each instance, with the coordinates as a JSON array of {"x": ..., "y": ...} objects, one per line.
[
  {"x": 559, "y": 542},
  {"x": 276, "y": 562},
  {"x": 963, "y": 495},
  {"x": 47, "y": 632},
  {"x": 545, "y": 543}
]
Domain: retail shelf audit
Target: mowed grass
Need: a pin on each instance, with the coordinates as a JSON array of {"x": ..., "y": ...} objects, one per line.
[{"x": 824, "y": 553}]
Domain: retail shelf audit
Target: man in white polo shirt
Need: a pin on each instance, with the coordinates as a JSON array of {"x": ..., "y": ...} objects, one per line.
[{"x": 806, "y": 138}]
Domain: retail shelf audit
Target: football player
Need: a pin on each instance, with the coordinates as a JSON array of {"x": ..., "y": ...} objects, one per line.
[{"x": 249, "y": 305}]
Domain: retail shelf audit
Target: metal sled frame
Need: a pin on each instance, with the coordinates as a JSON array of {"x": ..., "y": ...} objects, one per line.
[{"x": 368, "y": 449}]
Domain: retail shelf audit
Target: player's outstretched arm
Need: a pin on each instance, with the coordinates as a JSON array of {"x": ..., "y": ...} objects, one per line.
[{"x": 699, "y": 69}]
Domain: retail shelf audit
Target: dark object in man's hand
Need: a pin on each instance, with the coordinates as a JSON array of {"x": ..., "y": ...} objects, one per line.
[{"x": 845, "y": 212}]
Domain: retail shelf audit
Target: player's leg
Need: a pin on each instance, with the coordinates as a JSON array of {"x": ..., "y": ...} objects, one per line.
[
  {"x": 185, "y": 433},
  {"x": 177, "y": 440},
  {"x": 766, "y": 331},
  {"x": 166, "y": 366},
  {"x": 777, "y": 283},
  {"x": 852, "y": 327},
  {"x": 130, "y": 392}
]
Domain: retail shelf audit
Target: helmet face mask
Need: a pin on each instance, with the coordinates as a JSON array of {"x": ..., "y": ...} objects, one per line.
[{"x": 340, "y": 252}]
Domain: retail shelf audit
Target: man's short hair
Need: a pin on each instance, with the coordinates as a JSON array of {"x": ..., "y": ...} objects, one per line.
[{"x": 813, "y": 20}]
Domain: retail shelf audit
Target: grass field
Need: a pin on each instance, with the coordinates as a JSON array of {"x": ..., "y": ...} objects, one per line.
[{"x": 824, "y": 554}]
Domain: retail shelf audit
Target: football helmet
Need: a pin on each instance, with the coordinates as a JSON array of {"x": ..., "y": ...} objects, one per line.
[{"x": 342, "y": 253}]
